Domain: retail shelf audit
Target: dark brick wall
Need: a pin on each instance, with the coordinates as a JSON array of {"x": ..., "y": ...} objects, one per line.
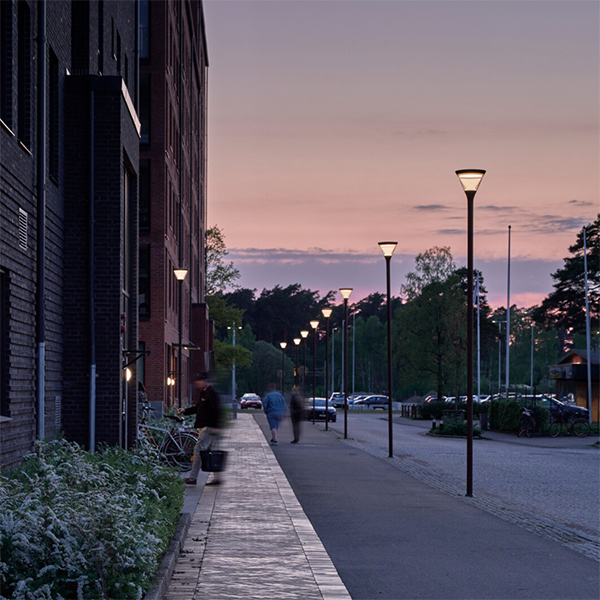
[
  {"x": 67, "y": 233},
  {"x": 18, "y": 189},
  {"x": 115, "y": 147}
]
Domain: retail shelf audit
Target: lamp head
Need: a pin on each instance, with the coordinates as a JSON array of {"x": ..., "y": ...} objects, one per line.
[
  {"x": 470, "y": 178},
  {"x": 304, "y": 334},
  {"x": 180, "y": 274},
  {"x": 283, "y": 345},
  {"x": 314, "y": 324},
  {"x": 388, "y": 248},
  {"x": 297, "y": 341},
  {"x": 345, "y": 292},
  {"x": 326, "y": 312}
]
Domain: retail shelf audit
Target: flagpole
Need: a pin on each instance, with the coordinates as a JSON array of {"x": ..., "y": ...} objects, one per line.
[
  {"x": 587, "y": 331},
  {"x": 508, "y": 319}
]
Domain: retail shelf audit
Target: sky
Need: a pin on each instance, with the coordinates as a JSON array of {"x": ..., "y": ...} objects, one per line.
[{"x": 336, "y": 124}]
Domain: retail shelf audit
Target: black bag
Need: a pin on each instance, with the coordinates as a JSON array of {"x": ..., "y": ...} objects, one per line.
[{"x": 213, "y": 460}]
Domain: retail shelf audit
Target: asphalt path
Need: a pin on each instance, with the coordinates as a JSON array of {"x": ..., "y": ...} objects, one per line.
[
  {"x": 554, "y": 479},
  {"x": 393, "y": 536}
]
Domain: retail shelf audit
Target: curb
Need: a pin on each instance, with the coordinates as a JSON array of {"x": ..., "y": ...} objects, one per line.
[{"x": 169, "y": 561}]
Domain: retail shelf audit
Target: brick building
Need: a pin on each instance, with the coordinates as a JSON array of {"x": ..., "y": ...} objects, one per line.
[
  {"x": 70, "y": 140},
  {"x": 173, "y": 94}
]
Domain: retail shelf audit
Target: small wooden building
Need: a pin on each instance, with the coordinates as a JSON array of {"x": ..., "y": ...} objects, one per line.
[{"x": 570, "y": 375}]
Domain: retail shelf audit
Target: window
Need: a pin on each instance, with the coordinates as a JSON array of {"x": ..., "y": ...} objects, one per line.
[
  {"x": 4, "y": 371},
  {"x": 53, "y": 117},
  {"x": 6, "y": 61},
  {"x": 127, "y": 237},
  {"x": 118, "y": 56},
  {"x": 144, "y": 282},
  {"x": 145, "y": 107},
  {"x": 144, "y": 29},
  {"x": 23, "y": 228},
  {"x": 145, "y": 177},
  {"x": 100, "y": 36},
  {"x": 128, "y": 256},
  {"x": 24, "y": 70}
]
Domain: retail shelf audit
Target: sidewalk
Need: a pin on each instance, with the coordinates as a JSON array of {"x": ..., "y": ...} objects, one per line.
[{"x": 249, "y": 537}]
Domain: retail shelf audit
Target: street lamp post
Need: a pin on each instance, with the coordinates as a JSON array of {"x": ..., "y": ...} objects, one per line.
[
  {"x": 314, "y": 325},
  {"x": 470, "y": 180},
  {"x": 180, "y": 275},
  {"x": 388, "y": 250},
  {"x": 345, "y": 292},
  {"x": 326, "y": 313},
  {"x": 296, "y": 377},
  {"x": 304, "y": 335},
  {"x": 233, "y": 392},
  {"x": 283, "y": 346}
]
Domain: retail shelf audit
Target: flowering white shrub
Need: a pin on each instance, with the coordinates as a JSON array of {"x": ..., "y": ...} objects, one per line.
[{"x": 77, "y": 525}]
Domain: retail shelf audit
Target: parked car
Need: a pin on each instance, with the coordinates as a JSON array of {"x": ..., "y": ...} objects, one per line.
[
  {"x": 374, "y": 402},
  {"x": 434, "y": 399},
  {"x": 337, "y": 399},
  {"x": 353, "y": 399},
  {"x": 557, "y": 407},
  {"x": 319, "y": 410},
  {"x": 250, "y": 401}
]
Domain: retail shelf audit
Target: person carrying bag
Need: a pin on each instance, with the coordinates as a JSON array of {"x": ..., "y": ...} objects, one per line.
[{"x": 209, "y": 414}]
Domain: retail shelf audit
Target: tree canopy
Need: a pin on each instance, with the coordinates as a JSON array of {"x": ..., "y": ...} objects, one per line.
[
  {"x": 220, "y": 275},
  {"x": 564, "y": 308},
  {"x": 435, "y": 264}
]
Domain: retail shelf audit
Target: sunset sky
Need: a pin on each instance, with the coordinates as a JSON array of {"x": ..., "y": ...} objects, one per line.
[{"x": 334, "y": 125}]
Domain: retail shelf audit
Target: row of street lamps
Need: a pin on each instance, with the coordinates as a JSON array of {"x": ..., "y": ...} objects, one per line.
[{"x": 470, "y": 180}]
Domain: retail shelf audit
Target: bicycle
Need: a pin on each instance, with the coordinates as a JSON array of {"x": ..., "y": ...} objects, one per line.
[
  {"x": 527, "y": 423},
  {"x": 175, "y": 445},
  {"x": 563, "y": 424}
]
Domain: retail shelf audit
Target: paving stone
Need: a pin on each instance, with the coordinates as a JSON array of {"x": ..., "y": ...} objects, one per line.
[{"x": 249, "y": 537}]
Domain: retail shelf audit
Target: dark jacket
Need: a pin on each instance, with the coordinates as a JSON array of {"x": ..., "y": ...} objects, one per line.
[{"x": 207, "y": 408}]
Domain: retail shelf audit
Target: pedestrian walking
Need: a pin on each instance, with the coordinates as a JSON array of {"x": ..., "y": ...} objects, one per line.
[
  {"x": 296, "y": 413},
  {"x": 275, "y": 409},
  {"x": 207, "y": 408}
]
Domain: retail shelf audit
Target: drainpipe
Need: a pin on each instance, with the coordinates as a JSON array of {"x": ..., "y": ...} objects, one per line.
[
  {"x": 180, "y": 236},
  {"x": 92, "y": 279},
  {"x": 41, "y": 219}
]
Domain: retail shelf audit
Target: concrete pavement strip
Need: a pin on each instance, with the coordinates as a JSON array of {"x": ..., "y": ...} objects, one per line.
[{"x": 249, "y": 537}]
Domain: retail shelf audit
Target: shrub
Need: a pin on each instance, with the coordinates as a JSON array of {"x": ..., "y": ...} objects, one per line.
[
  {"x": 458, "y": 429},
  {"x": 77, "y": 525},
  {"x": 435, "y": 410},
  {"x": 505, "y": 415}
]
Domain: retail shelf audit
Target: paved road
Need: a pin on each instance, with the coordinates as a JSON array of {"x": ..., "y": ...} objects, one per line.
[
  {"x": 557, "y": 480},
  {"x": 393, "y": 535}
]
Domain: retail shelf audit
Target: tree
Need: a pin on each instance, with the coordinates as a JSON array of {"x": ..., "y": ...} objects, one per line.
[
  {"x": 223, "y": 314},
  {"x": 220, "y": 276},
  {"x": 564, "y": 308},
  {"x": 435, "y": 264},
  {"x": 266, "y": 368},
  {"x": 279, "y": 314},
  {"x": 430, "y": 331}
]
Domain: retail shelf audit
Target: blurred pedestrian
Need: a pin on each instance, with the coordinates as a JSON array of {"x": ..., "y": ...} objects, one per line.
[
  {"x": 275, "y": 409},
  {"x": 296, "y": 413},
  {"x": 207, "y": 408}
]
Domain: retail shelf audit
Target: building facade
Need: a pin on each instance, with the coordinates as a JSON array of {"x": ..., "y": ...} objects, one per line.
[
  {"x": 72, "y": 276},
  {"x": 173, "y": 105}
]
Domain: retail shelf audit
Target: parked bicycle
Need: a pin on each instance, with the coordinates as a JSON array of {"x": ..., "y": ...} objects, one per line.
[
  {"x": 527, "y": 427},
  {"x": 563, "y": 424},
  {"x": 175, "y": 445}
]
